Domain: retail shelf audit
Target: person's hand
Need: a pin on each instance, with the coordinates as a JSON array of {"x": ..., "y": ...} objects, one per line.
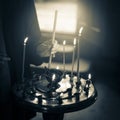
[
  {"x": 46, "y": 48},
  {"x": 55, "y": 47}
]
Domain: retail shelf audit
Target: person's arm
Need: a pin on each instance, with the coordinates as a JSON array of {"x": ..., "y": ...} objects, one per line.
[
  {"x": 44, "y": 49},
  {"x": 40, "y": 50}
]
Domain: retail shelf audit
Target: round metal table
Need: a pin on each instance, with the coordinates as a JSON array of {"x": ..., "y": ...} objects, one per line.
[{"x": 55, "y": 107}]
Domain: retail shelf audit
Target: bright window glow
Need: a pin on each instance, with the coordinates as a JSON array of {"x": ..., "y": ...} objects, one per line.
[{"x": 66, "y": 17}]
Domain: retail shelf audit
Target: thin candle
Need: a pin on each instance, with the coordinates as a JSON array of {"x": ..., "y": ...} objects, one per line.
[
  {"x": 64, "y": 43},
  {"x": 53, "y": 37},
  {"x": 54, "y": 27},
  {"x": 23, "y": 61},
  {"x": 78, "y": 54},
  {"x": 73, "y": 56}
]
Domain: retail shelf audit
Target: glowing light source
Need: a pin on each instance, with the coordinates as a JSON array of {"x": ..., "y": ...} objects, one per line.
[
  {"x": 64, "y": 42},
  {"x": 25, "y": 40},
  {"x": 53, "y": 77},
  {"x": 89, "y": 76},
  {"x": 67, "y": 17},
  {"x": 80, "y": 31},
  {"x": 57, "y": 67},
  {"x": 74, "y": 42}
]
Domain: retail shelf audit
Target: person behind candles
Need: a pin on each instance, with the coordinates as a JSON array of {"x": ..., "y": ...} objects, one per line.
[{"x": 20, "y": 21}]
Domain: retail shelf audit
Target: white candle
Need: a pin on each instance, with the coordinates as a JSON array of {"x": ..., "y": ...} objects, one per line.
[
  {"x": 53, "y": 38},
  {"x": 23, "y": 61},
  {"x": 78, "y": 53},
  {"x": 54, "y": 27},
  {"x": 78, "y": 63},
  {"x": 64, "y": 43},
  {"x": 73, "y": 56}
]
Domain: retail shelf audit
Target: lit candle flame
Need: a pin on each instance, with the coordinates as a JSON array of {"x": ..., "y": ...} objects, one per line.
[
  {"x": 57, "y": 67},
  {"x": 64, "y": 42},
  {"x": 89, "y": 76},
  {"x": 80, "y": 31},
  {"x": 25, "y": 40},
  {"x": 74, "y": 42},
  {"x": 53, "y": 77}
]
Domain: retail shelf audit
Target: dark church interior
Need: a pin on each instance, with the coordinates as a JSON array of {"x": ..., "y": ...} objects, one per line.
[{"x": 98, "y": 54}]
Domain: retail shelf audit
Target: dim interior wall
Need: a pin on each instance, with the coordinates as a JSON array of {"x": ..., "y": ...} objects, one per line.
[{"x": 5, "y": 80}]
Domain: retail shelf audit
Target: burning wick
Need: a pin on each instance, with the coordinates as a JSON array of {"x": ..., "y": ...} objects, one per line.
[
  {"x": 73, "y": 56},
  {"x": 57, "y": 67},
  {"x": 64, "y": 43},
  {"x": 53, "y": 77},
  {"x": 25, "y": 40},
  {"x": 74, "y": 42},
  {"x": 89, "y": 76},
  {"x": 80, "y": 31}
]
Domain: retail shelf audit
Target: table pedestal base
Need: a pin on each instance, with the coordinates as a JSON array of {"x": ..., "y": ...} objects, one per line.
[{"x": 53, "y": 116}]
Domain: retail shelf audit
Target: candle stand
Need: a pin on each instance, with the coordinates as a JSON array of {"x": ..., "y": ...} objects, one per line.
[
  {"x": 54, "y": 92},
  {"x": 47, "y": 96}
]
